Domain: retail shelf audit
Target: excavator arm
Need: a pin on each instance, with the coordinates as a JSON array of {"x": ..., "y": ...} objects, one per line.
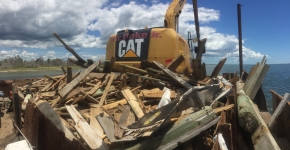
[{"x": 172, "y": 14}]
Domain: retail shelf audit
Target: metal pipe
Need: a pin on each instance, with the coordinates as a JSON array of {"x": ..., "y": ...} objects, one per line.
[{"x": 240, "y": 38}]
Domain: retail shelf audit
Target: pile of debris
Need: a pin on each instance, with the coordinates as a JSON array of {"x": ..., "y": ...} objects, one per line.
[{"x": 152, "y": 107}]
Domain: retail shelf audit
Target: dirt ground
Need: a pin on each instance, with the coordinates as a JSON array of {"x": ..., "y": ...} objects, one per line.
[{"x": 8, "y": 133}]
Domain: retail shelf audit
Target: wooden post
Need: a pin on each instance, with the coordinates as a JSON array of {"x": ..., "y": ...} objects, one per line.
[
  {"x": 16, "y": 108},
  {"x": 69, "y": 75}
]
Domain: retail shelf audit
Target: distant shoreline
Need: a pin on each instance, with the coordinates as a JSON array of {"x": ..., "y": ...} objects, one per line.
[
  {"x": 28, "y": 70},
  {"x": 34, "y": 69}
]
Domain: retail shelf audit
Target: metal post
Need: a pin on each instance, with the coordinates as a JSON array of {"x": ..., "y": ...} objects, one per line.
[{"x": 240, "y": 38}]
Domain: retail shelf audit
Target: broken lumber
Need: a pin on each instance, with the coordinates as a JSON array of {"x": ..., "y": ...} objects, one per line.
[
  {"x": 94, "y": 122},
  {"x": 115, "y": 104},
  {"x": 93, "y": 140},
  {"x": 217, "y": 110},
  {"x": 172, "y": 75},
  {"x": 278, "y": 110},
  {"x": 133, "y": 102},
  {"x": 64, "y": 91},
  {"x": 218, "y": 68},
  {"x": 255, "y": 78},
  {"x": 175, "y": 63},
  {"x": 106, "y": 90}
]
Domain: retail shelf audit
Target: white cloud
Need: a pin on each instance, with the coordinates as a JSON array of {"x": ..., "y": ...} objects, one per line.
[
  {"x": 28, "y": 56},
  {"x": 30, "y": 23}
]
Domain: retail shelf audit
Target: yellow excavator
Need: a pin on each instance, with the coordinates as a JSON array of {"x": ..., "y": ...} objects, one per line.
[{"x": 162, "y": 44}]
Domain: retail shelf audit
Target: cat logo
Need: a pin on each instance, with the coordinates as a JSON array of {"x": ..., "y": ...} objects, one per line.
[
  {"x": 132, "y": 48},
  {"x": 132, "y": 45}
]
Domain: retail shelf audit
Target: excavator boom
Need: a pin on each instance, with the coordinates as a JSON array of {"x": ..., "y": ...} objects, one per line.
[{"x": 172, "y": 14}]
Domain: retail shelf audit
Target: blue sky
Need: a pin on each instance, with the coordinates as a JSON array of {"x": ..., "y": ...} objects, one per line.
[{"x": 26, "y": 27}]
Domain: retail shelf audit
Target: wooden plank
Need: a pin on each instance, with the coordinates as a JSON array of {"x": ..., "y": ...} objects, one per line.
[
  {"x": 94, "y": 122},
  {"x": 278, "y": 110},
  {"x": 52, "y": 87},
  {"x": 218, "y": 68},
  {"x": 172, "y": 75},
  {"x": 115, "y": 104},
  {"x": 69, "y": 49},
  {"x": 70, "y": 95},
  {"x": 64, "y": 91},
  {"x": 156, "y": 94},
  {"x": 55, "y": 101},
  {"x": 63, "y": 70},
  {"x": 175, "y": 63},
  {"x": 50, "y": 114},
  {"x": 133, "y": 102},
  {"x": 224, "y": 108},
  {"x": 49, "y": 77},
  {"x": 144, "y": 77},
  {"x": 76, "y": 74},
  {"x": 106, "y": 91},
  {"x": 95, "y": 88},
  {"x": 89, "y": 135},
  {"x": 122, "y": 122},
  {"x": 90, "y": 98},
  {"x": 255, "y": 78},
  {"x": 136, "y": 70},
  {"x": 48, "y": 94},
  {"x": 47, "y": 86},
  {"x": 131, "y": 119}
]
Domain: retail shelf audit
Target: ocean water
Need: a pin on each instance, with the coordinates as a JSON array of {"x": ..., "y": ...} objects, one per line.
[{"x": 277, "y": 77}]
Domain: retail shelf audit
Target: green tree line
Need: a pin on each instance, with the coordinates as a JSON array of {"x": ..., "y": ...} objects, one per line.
[{"x": 18, "y": 62}]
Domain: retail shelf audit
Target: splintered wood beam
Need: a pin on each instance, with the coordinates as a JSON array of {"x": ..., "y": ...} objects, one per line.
[
  {"x": 218, "y": 68},
  {"x": 172, "y": 75},
  {"x": 56, "y": 83},
  {"x": 47, "y": 86},
  {"x": 63, "y": 70},
  {"x": 76, "y": 74},
  {"x": 69, "y": 48},
  {"x": 133, "y": 102},
  {"x": 134, "y": 69},
  {"x": 55, "y": 101},
  {"x": 89, "y": 135},
  {"x": 175, "y": 63},
  {"x": 94, "y": 122},
  {"x": 64, "y": 91},
  {"x": 49, "y": 77},
  {"x": 95, "y": 88},
  {"x": 51, "y": 115},
  {"x": 255, "y": 78},
  {"x": 115, "y": 104},
  {"x": 123, "y": 122},
  {"x": 156, "y": 94},
  {"x": 106, "y": 91},
  {"x": 278, "y": 110},
  {"x": 88, "y": 97},
  {"x": 227, "y": 107}
]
